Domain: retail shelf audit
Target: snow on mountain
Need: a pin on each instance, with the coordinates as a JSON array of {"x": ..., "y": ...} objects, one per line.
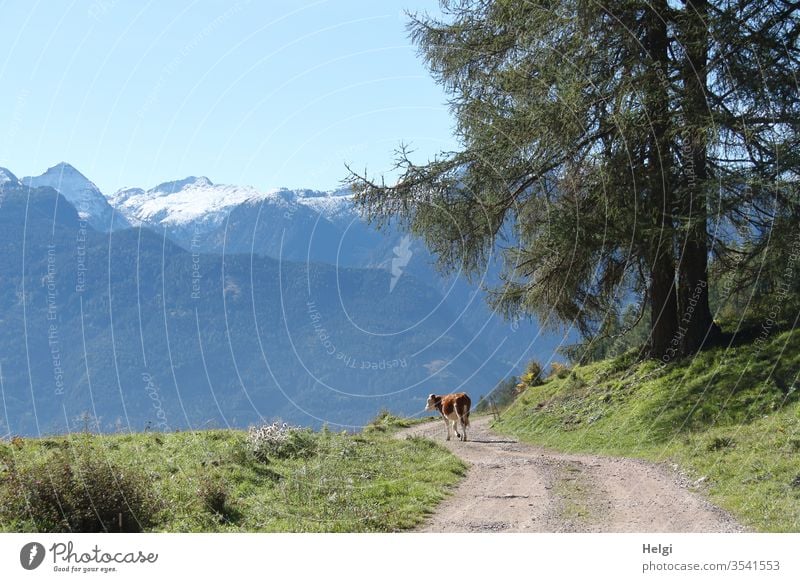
[
  {"x": 198, "y": 204},
  {"x": 332, "y": 205},
  {"x": 81, "y": 192},
  {"x": 175, "y": 204},
  {"x": 7, "y": 179}
]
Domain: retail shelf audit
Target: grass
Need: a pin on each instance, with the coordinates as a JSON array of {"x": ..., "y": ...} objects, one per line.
[
  {"x": 209, "y": 481},
  {"x": 386, "y": 422},
  {"x": 572, "y": 491},
  {"x": 729, "y": 418}
]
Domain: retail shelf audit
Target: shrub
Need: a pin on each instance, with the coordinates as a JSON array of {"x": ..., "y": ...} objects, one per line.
[
  {"x": 531, "y": 377},
  {"x": 280, "y": 441},
  {"x": 81, "y": 493},
  {"x": 214, "y": 496},
  {"x": 558, "y": 370}
]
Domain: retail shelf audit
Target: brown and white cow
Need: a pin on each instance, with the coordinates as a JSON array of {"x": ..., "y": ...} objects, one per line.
[{"x": 454, "y": 409}]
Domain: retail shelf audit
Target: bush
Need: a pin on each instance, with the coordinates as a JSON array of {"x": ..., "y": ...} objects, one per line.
[
  {"x": 213, "y": 494},
  {"x": 558, "y": 370},
  {"x": 531, "y": 377},
  {"x": 80, "y": 493},
  {"x": 280, "y": 441}
]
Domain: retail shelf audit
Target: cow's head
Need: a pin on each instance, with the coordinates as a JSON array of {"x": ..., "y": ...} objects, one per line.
[{"x": 433, "y": 401}]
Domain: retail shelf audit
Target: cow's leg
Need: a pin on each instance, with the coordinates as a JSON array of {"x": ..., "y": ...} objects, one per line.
[
  {"x": 447, "y": 426},
  {"x": 455, "y": 427},
  {"x": 463, "y": 427}
]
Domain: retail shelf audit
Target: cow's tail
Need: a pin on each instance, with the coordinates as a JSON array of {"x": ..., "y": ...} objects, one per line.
[{"x": 465, "y": 412}]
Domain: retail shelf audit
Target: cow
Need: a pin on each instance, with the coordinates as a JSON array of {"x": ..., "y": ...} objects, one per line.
[{"x": 454, "y": 409}]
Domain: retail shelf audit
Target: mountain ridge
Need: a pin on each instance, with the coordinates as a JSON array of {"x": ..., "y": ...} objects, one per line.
[
  {"x": 321, "y": 227},
  {"x": 125, "y": 330}
]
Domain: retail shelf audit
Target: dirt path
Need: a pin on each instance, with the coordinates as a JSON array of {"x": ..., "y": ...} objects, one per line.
[{"x": 514, "y": 487}]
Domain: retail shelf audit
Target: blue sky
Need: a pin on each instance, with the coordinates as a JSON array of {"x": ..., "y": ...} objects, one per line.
[{"x": 268, "y": 93}]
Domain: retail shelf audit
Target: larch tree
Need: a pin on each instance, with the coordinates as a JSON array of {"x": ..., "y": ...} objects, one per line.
[{"x": 608, "y": 149}]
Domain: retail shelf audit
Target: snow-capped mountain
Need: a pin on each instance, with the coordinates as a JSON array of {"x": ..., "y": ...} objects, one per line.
[
  {"x": 7, "y": 179},
  {"x": 81, "y": 192},
  {"x": 195, "y": 207},
  {"x": 299, "y": 225},
  {"x": 295, "y": 224},
  {"x": 197, "y": 213},
  {"x": 311, "y": 226},
  {"x": 177, "y": 203}
]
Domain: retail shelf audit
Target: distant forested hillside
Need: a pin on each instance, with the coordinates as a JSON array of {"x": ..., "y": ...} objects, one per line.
[{"x": 128, "y": 330}]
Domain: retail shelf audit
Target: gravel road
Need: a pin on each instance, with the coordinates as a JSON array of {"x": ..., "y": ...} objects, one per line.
[{"x": 515, "y": 487}]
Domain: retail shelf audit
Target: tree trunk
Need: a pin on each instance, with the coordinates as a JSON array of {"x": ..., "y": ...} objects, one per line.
[
  {"x": 664, "y": 333},
  {"x": 663, "y": 300},
  {"x": 696, "y": 324}
]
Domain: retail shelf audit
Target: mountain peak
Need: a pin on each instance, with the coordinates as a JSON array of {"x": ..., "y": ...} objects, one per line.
[
  {"x": 80, "y": 192},
  {"x": 63, "y": 177},
  {"x": 6, "y": 177},
  {"x": 62, "y": 166},
  {"x": 64, "y": 169}
]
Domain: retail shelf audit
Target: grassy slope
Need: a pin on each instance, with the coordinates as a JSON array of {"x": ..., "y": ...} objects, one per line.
[
  {"x": 729, "y": 415},
  {"x": 353, "y": 483}
]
